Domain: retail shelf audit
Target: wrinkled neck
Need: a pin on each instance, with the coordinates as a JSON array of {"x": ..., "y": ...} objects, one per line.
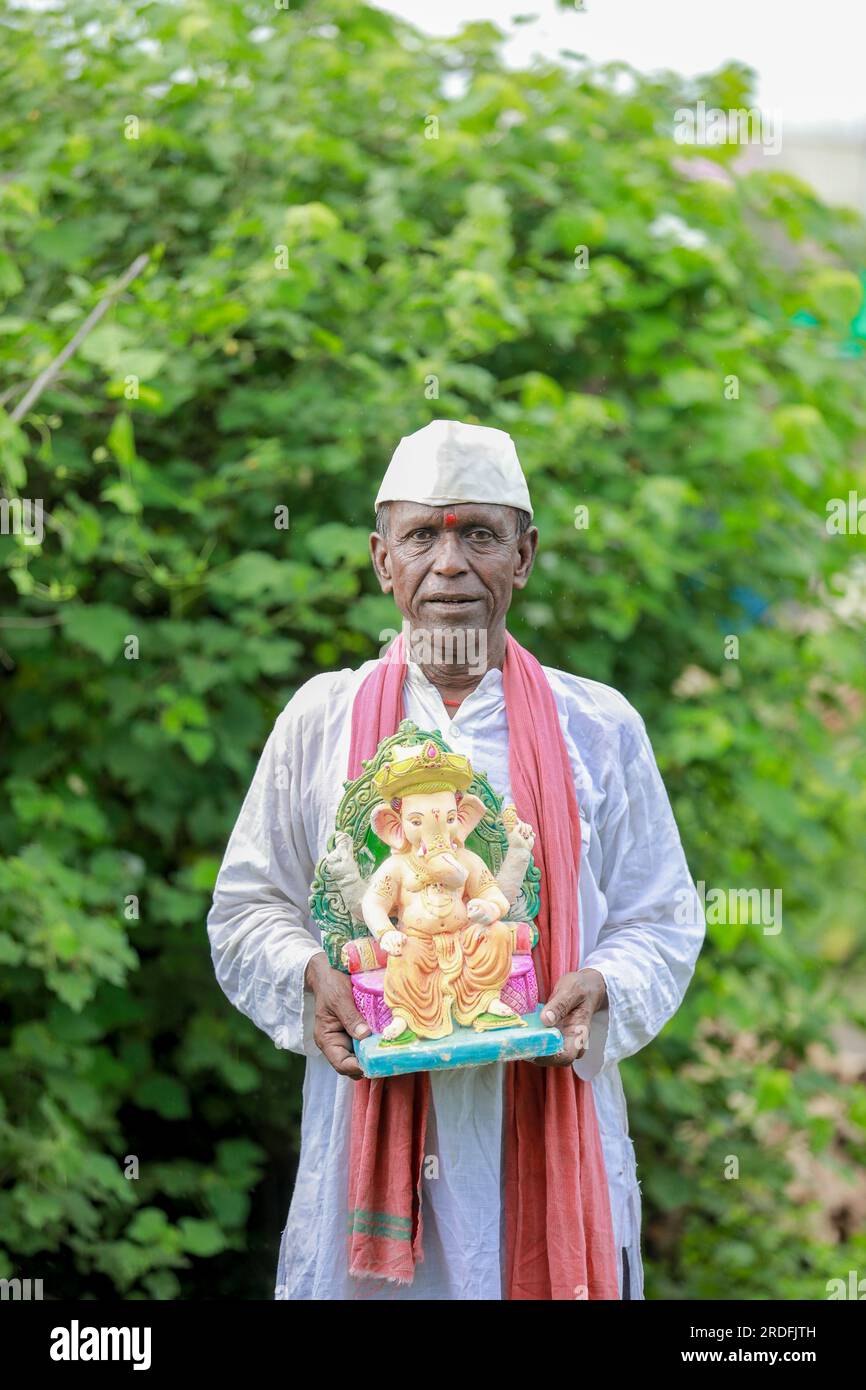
[{"x": 456, "y": 680}]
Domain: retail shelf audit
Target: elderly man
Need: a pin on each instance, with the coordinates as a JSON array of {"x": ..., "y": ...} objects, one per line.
[{"x": 516, "y": 1145}]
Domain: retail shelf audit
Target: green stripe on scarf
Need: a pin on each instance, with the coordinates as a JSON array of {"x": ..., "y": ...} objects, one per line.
[{"x": 380, "y": 1223}]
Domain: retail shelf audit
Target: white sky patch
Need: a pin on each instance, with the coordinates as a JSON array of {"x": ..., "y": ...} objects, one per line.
[{"x": 809, "y": 60}]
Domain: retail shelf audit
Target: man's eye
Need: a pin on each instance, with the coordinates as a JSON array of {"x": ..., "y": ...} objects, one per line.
[
  {"x": 422, "y": 534},
  {"x": 480, "y": 533}
]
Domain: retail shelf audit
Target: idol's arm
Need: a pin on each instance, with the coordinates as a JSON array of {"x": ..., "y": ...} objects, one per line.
[
  {"x": 482, "y": 885},
  {"x": 647, "y": 949},
  {"x": 259, "y": 924},
  {"x": 381, "y": 897}
]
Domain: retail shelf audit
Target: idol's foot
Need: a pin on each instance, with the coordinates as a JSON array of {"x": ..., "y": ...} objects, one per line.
[
  {"x": 404, "y": 1038},
  {"x": 497, "y": 1007},
  {"x": 395, "y": 1029},
  {"x": 487, "y": 1021}
]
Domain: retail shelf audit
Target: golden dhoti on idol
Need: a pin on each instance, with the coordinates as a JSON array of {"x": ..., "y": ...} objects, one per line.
[{"x": 441, "y": 973}]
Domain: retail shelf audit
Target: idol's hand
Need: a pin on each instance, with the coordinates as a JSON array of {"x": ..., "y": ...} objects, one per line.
[
  {"x": 482, "y": 913},
  {"x": 392, "y": 942},
  {"x": 337, "y": 1019},
  {"x": 522, "y": 835},
  {"x": 570, "y": 1008}
]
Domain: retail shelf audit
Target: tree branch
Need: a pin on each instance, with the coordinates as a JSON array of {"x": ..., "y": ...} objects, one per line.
[{"x": 46, "y": 377}]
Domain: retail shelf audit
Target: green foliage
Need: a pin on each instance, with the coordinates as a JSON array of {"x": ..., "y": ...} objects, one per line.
[{"x": 323, "y": 278}]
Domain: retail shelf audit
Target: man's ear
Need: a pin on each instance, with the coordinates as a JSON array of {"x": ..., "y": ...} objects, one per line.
[
  {"x": 470, "y": 811},
  {"x": 381, "y": 562},
  {"x": 525, "y": 558},
  {"x": 387, "y": 824}
]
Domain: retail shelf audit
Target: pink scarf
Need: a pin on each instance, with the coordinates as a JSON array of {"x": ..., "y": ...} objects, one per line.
[{"x": 559, "y": 1233}]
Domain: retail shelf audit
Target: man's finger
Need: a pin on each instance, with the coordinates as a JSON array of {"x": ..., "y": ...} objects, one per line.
[
  {"x": 564, "y": 1057},
  {"x": 558, "y": 1059},
  {"x": 354, "y": 1022},
  {"x": 575, "y": 1028},
  {"x": 575, "y": 1031},
  {"x": 344, "y": 1062},
  {"x": 562, "y": 1002},
  {"x": 336, "y": 1049}
]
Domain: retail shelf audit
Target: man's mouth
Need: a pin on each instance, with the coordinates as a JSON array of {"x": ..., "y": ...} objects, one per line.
[{"x": 454, "y": 600}]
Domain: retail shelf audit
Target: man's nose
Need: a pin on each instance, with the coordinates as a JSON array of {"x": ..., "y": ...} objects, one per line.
[{"x": 448, "y": 557}]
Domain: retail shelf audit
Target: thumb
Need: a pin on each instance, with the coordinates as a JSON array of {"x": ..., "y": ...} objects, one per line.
[
  {"x": 354, "y": 1022},
  {"x": 561, "y": 1003}
]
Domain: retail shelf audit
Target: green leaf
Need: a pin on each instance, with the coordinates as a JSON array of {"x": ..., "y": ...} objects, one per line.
[
  {"x": 121, "y": 441},
  {"x": 100, "y": 628},
  {"x": 202, "y": 1237},
  {"x": 164, "y": 1094}
]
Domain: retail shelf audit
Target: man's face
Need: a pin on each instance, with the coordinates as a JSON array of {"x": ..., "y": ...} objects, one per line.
[{"x": 453, "y": 567}]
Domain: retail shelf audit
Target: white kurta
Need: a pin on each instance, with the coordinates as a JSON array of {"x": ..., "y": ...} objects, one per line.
[{"x": 642, "y": 927}]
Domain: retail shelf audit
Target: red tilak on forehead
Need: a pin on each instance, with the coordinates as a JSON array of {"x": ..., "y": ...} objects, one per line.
[{"x": 450, "y": 519}]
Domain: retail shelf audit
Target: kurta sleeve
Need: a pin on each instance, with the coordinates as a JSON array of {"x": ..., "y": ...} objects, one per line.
[
  {"x": 654, "y": 929},
  {"x": 259, "y": 923}
]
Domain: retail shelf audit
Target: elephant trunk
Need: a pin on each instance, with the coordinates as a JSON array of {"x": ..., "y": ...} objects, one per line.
[{"x": 442, "y": 864}]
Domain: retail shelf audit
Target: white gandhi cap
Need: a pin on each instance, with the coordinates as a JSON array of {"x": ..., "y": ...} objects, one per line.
[{"x": 447, "y": 463}]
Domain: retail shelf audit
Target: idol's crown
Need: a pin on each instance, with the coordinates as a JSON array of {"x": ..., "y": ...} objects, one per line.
[{"x": 422, "y": 767}]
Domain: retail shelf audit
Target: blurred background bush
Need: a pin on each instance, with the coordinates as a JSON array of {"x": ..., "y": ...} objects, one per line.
[{"x": 351, "y": 229}]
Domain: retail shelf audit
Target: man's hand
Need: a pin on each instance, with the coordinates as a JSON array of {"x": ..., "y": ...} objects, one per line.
[
  {"x": 570, "y": 1008},
  {"x": 337, "y": 1019}
]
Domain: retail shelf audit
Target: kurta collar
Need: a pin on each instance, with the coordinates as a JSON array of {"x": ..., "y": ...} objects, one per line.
[{"x": 487, "y": 695}]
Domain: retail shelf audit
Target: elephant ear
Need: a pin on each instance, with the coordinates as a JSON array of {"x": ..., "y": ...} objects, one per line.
[
  {"x": 470, "y": 811},
  {"x": 388, "y": 825}
]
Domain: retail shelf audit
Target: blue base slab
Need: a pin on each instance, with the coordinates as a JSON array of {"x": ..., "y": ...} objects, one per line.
[{"x": 462, "y": 1048}]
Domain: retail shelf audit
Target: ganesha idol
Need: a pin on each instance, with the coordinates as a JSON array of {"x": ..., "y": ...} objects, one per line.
[
  {"x": 435, "y": 934},
  {"x": 449, "y": 952}
]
